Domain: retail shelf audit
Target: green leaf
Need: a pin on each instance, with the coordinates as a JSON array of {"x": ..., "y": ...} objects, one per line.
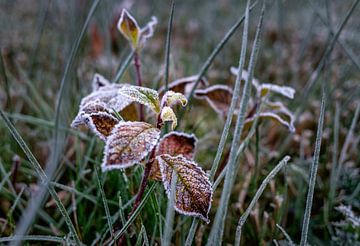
[
  {"x": 143, "y": 95},
  {"x": 193, "y": 195}
]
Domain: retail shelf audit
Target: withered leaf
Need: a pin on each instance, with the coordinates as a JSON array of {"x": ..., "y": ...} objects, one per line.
[
  {"x": 193, "y": 194},
  {"x": 128, "y": 144},
  {"x": 174, "y": 144},
  {"x": 97, "y": 117},
  {"x": 148, "y": 31},
  {"x": 184, "y": 85},
  {"x": 143, "y": 95},
  {"x": 129, "y": 28},
  {"x": 218, "y": 96},
  {"x": 99, "y": 81},
  {"x": 284, "y": 119},
  {"x": 286, "y": 91}
]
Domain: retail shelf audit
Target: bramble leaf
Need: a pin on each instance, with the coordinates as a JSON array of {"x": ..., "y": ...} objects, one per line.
[
  {"x": 99, "y": 81},
  {"x": 218, "y": 96},
  {"x": 97, "y": 117},
  {"x": 129, "y": 28},
  {"x": 143, "y": 95},
  {"x": 167, "y": 114},
  {"x": 193, "y": 195},
  {"x": 171, "y": 98},
  {"x": 128, "y": 144},
  {"x": 174, "y": 144}
]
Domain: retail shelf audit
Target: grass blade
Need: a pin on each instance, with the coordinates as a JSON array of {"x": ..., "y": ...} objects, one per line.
[
  {"x": 45, "y": 238},
  {"x": 288, "y": 238},
  {"x": 313, "y": 172},
  {"x": 258, "y": 193},
  {"x": 123, "y": 67},
  {"x": 167, "y": 45},
  {"x": 217, "y": 229},
  {"x": 40, "y": 172},
  {"x": 170, "y": 212}
]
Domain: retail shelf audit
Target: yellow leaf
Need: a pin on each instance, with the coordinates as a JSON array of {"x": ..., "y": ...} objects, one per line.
[{"x": 129, "y": 28}]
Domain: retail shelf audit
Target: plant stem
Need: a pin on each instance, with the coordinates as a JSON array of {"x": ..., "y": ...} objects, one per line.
[{"x": 137, "y": 64}]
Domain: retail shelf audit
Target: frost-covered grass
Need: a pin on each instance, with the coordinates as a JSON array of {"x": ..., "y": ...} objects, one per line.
[{"x": 52, "y": 188}]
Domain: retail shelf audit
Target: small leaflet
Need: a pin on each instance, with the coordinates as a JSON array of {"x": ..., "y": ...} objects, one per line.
[
  {"x": 218, "y": 96},
  {"x": 99, "y": 81},
  {"x": 129, "y": 28},
  {"x": 97, "y": 117},
  {"x": 174, "y": 144},
  {"x": 286, "y": 91},
  {"x": 167, "y": 114},
  {"x": 148, "y": 31},
  {"x": 128, "y": 144},
  {"x": 184, "y": 85},
  {"x": 193, "y": 195},
  {"x": 172, "y": 98},
  {"x": 143, "y": 95}
]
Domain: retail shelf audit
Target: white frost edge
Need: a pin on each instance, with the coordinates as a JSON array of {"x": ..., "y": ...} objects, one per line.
[
  {"x": 167, "y": 186},
  {"x": 104, "y": 167},
  {"x": 245, "y": 76},
  {"x": 121, "y": 19},
  {"x": 286, "y": 91},
  {"x": 95, "y": 85},
  {"x": 138, "y": 89},
  {"x": 185, "y": 80},
  {"x": 290, "y": 126}
]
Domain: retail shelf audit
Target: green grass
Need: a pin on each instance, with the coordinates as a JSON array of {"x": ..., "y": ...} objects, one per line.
[{"x": 47, "y": 62}]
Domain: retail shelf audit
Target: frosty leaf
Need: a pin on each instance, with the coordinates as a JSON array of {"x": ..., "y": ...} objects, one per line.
[
  {"x": 286, "y": 91},
  {"x": 184, "y": 85},
  {"x": 99, "y": 81},
  {"x": 244, "y": 76},
  {"x": 282, "y": 119},
  {"x": 143, "y": 95},
  {"x": 97, "y": 118},
  {"x": 193, "y": 194},
  {"x": 167, "y": 114},
  {"x": 129, "y": 28},
  {"x": 148, "y": 31},
  {"x": 171, "y": 98},
  {"x": 129, "y": 143},
  {"x": 130, "y": 113},
  {"x": 218, "y": 96},
  {"x": 173, "y": 143}
]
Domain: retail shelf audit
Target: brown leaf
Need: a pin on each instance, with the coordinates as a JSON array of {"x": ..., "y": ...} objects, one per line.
[
  {"x": 193, "y": 195},
  {"x": 174, "y": 144},
  {"x": 183, "y": 85},
  {"x": 128, "y": 144},
  {"x": 130, "y": 112},
  {"x": 218, "y": 96},
  {"x": 97, "y": 118}
]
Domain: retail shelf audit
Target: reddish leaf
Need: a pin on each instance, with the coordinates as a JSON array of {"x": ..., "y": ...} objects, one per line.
[
  {"x": 174, "y": 144},
  {"x": 128, "y": 144},
  {"x": 193, "y": 195}
]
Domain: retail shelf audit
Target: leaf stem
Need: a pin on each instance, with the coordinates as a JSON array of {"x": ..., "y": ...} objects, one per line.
[{"x": 137, "y": 64}]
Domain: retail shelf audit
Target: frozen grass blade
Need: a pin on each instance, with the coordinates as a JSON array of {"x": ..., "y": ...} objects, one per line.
[
  {"x": 167, "y": 45},
  {"x": 258, "y": 193},
  {"x": 288, "y": 238},
  {"x": 217, "y": 229},
  {"x": 4, "y": 78},
  {"x": 45, "y": 238},
  {"x": 134, "y": 215},
  {"x": 123, "y": 67},
  {"x": 40, "y": 172},
  {"x": 313, "y": 172},
  {"x": 229, "y": 117},
  {"x": 106, "y": 206},
  {"x": 170, "y": 213}
]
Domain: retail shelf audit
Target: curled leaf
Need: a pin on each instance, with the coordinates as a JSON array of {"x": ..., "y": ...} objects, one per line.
[
  {"x": 218, "y": 96},
  {"x": 128, "y": 144},
  {"x": 167, "y": 114},
  {"x": 174, "y": 144},
  {"x": 184, "y": 85},
  {"x": 148, "y": 31},
  {"x": 171, "y": 98},
  {"x": 99, "y": 81},
  {"x": 143, "y": 95},
  {"x": 97, "y": 117},
  {"x": 193, "y": 195},
  {"x": 282, "y": 119},
  {"x": 286, "y": 91},
  {"x": 129, "y": 28}
]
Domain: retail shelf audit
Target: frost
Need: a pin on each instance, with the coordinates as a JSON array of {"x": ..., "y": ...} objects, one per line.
[
  {"x": 99, "y": 81},
  {"x": 167, "y": 114},
  {"x": 286, "y": 91},
  {"x": 128, "y": 144},
  {"x": 171, "y": 98},
  {"x": 145, "y": 96},
  {"x": 129, "y": 28},
  {"x": 193, "y": 195},
  {"x": 184, "y": 85}
]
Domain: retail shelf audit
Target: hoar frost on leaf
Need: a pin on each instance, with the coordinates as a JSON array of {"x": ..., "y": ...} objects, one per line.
[
  {"x": 193, "y": 195},
  {"x": 168, "y": 115},
  {"x": 128, "y": 144},
  {"x": 174, "y": 144},
  {"x": 99, "y": 81},
  {"x": 145, "y": 96},
  {"x": 184, "y": 85},
  {"x": 172, "y": 98}
]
